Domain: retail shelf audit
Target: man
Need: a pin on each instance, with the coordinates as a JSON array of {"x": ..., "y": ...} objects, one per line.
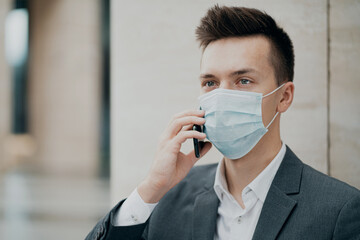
[{"x": 260, "y": 189}]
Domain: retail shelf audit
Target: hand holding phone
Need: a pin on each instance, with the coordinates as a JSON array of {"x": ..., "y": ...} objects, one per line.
[{"x": 170, "y": 164}]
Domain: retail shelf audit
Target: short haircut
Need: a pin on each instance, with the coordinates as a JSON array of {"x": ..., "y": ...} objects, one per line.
[{"x": 225, "y": 22}]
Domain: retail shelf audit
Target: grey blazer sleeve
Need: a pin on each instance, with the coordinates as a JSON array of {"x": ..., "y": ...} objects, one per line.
[
  {"x": 104, "y": 229},
  {"x": 348, "y": 222}
]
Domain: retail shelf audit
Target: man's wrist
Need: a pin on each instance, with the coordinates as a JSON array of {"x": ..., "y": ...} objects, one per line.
[{"x": 148, "y": 192}]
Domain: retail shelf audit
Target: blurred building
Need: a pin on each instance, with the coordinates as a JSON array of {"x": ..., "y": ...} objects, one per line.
[
  {"x": 54, "y": 117},
  {"x": 5, "y": 83},
  {"x": 63, "y": 87}
]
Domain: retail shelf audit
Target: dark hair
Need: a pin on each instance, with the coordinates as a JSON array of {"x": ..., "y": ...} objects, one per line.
[{"x": 223, "y": 22}]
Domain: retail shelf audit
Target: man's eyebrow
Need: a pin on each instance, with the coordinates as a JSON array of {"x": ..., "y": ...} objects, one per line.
[
  {"x": 206, "y": 76},
  {"x": 238, "y": 72},
  {"x": 242, "y": 71}
]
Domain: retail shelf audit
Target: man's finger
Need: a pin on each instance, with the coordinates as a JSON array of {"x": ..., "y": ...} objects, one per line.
[
  {"x": 184, "y": 135},
  {"x": 187, "y": 127},
  {"x": 198, "y": 113},
  {"x": 176, "y": 126}
]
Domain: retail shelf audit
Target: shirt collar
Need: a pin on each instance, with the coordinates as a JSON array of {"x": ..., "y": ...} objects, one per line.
[
  {"x": 220, "y": 184},
  {"x": 260, "y": 185}
]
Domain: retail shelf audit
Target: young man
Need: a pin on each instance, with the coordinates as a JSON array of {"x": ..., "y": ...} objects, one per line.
[{"x": 260, "y": 189}]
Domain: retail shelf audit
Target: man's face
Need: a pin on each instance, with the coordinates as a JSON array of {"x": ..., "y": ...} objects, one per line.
[{"x": 241, "y": 64}]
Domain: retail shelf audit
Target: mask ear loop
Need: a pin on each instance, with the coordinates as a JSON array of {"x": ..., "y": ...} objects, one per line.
[
  {"x": 274, "y": 90},
  {"x": 276, "y": 112},
  {"x": 272, "y": 120}
]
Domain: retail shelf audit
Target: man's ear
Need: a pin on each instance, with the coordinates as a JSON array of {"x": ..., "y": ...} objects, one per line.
[{"x": 286, "y": 98}]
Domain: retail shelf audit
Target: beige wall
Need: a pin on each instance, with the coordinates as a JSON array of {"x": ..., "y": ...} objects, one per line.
[
  {"x": 5, "y": 85},
  {"x": 65, "y": 85},
  {"x": 345, "y": 90},
  {"x": 155, "y": 66}
]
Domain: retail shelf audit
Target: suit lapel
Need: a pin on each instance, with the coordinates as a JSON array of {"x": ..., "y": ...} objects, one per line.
[
  {"x": 278, "y": 205},
  {"x": 276, "y": 210},
  {"x": 205, "y": 215}
]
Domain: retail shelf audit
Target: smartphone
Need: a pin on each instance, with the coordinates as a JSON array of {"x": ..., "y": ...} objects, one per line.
[{"x": 197, "y": 144}]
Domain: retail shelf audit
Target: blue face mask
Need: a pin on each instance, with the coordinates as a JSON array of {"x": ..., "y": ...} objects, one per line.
[{"x": 234, "y": 120}]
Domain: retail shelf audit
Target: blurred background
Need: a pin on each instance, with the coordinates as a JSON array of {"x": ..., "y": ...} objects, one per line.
[
  {"x": 58, "y": 77},
  {"x": 54, "y": 117}
]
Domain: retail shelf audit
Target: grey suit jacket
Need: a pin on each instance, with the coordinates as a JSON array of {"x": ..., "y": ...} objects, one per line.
[{"x": 302, "y": 203}]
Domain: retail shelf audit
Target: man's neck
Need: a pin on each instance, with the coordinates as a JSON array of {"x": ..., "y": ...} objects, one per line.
[{"x": 240, "y": 172}]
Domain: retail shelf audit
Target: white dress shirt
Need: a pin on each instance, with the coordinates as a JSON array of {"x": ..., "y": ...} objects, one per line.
[{"x": 233, "y": 221}]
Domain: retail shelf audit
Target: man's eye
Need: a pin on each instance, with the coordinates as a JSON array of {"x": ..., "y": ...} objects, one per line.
[
  {"x": 244, "y": 81},
  {"x": 210, "y": 84}
]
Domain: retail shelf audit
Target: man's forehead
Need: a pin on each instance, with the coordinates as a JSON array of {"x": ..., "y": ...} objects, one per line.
[{"x": 232, "y": 54}]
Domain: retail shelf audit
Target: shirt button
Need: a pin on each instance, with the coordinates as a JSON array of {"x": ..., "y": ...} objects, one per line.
[
  {"x": 134, "y": 218},
  {"x": 239, "y": 220}
]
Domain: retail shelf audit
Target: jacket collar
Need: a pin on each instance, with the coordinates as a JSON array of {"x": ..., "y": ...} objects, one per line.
[
  {"x": 260, "y": 185},
  {"x": 278, "y": 204},
  {"x": 276, "y": 209},
  {"x": 205, "y": 210}
]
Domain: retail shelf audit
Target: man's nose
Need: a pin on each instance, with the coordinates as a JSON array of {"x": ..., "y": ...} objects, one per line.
[{"x": 226, "y": 85}]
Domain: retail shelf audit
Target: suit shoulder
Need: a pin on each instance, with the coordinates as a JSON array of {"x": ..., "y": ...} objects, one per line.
[
  {"x": 200, "y": 175},
  {"x": 195, "y": 181},
  {"x": 202, "y": 171},
  {"x": 328, "y": 187}
]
